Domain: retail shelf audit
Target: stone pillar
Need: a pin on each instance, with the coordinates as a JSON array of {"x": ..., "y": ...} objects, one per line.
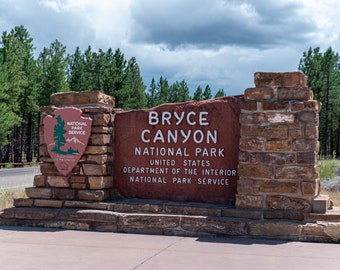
[
  {"x": 279, "y": 145},
  {"x": 92, "y": 178}
]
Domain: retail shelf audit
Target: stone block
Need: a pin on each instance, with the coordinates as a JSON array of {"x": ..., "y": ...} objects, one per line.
[
  {"x": 280, "y": 118},
  {"x": 78, "y": 182},
  {"x": 48, "y": 203},
  {"x": 280, "y": 187},
  {"x": 321, "y": 204},
  {"x": 280, "y": 79},
  {"x": 39, "y": 193},
  {"x": 251, "y": 144},
  {"x": 296, "y": 131},
  {"x": 310, "y": 188},
  {"x": 96, "y": 169},
  {"x": 278, "y": 145},
  {"x": 63, "y": 194},
  {"x": 100, "y": 139},
  {"x": 276, "y": 229},
  {"x": 310, "y": 117},
  {"x": 275, "y": 106},
  {"x": 259, "y": 93},
  {"x": 29, "y": 213},
  {"x": 103, "y": 119},
  {"x": 290, "y": 215},
  {"x": 48, "y": 168},
  {"x": 99, "y": 159},
  {"x": 89, "y": 215},
  {"x": 97, "y": 150},
  {"x": 278, "y": 158},
  {"x": 307, "y": 157},
  {"x": 93, "y": 195},
  {"x": 313, "y": 104},
  {"x": 148, "y": 221},
  {"x": 43, "y": 151},
  {"x": 244, "y": 201},
  {"x": 267, "y": 132},
  {"x": 83, "y": 204},
  {"x": 280, "y": 202},
  {"x": 311, "y": 131},
  {"x": 100, "y": 182},
  {"x": 245, "y": 186},
  {"x": 248, "y": 105},
  {"x": 217, "y": 226},
  {"x": 57, "y": 181},
  {"x": 78, "y": 186},
  {"x": 253, "y": 118},
  {"x": 23, "y": 202},
  {"x": 297, "y": 105},
  {"x": 81, "y": 98},
  {"x": 101, "y": 129},
  {"x": 39, "y": 181},
  {"x": 255, "y": 171},
  {"x": 243, "y": 156},
  {"x": 307, "y": 145},
  {"x": 296, "y": 172},
  {"x": 294, "y": 93}
]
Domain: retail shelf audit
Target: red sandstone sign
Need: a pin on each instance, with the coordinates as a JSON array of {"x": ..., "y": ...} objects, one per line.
[
  {"x": 66, "y": 135},
  {"x": 180, "y": 152}
]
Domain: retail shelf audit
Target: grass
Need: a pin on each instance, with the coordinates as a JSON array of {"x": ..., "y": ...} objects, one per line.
[
  {"x": 330, "y": 169},
  {"x": 7, "y": 196}
]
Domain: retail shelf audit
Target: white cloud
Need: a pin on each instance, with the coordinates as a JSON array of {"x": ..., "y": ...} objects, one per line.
[{"x": 216, "y": 42}]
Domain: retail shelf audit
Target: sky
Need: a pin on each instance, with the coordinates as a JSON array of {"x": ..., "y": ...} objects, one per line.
[{"x": 220, "y": 43}]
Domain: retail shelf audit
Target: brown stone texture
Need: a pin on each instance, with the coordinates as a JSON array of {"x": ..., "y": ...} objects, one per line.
[
  {"x": 93, "y": 172},
  {"x": 279, "y": 144},
  {"x": 190, "y": 168},
  {"x": 264, "y": 79},
  {"x": 82, "y": 98}
]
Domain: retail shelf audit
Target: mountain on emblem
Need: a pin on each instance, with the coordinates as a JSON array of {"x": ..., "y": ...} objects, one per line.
[{"x": 66, "y": 135}]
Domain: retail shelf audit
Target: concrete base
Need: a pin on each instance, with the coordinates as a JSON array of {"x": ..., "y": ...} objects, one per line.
[
  {"x": 321, "y": 204},
  {"x": 181, "y": 219}
]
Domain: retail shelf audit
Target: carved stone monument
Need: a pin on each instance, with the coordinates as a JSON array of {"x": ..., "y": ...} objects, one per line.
[
  {"x": 181, "y": 152},
  {"x": 234, "y": 166}
]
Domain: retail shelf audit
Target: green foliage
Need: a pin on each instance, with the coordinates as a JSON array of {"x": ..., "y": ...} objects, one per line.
[
  {"x": 198, "y": 95},
  {"x": 329, "y": 168},
  {"x": 207, "y": 93},
  {"x": 323, "y": 74},
  {"x": 52, "y": 63},
  {"x": 220, "y": 93}
]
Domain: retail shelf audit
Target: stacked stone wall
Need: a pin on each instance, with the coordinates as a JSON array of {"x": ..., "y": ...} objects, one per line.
[
  {"x": 92, "y": 178},
  {"x": 279, "y": 145}
]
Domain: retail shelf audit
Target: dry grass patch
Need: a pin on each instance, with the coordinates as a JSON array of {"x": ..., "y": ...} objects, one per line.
[{"x": 7, "y": 196}]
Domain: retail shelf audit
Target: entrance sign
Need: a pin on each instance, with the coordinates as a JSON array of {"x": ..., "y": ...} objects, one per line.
[
  {"x": 66, "y": 135},
  {"x": 180, "y": 152}
]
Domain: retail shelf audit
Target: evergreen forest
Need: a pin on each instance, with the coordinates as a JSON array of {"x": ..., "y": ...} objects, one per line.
[{"x": 26, "y": 83}]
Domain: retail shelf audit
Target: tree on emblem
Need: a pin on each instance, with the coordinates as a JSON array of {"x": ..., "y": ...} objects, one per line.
[
  {"x": 60, "y": 140},
  {"x": 58, "y": 135}
]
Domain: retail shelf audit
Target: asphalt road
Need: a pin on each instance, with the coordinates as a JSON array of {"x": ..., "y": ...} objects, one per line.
[{"x": 17, "y": 178}]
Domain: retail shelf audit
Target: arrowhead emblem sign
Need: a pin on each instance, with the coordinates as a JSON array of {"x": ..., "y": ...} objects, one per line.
[{"x": 66, "y": 134}]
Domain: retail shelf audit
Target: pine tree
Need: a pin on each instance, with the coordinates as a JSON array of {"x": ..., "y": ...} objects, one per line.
[
  {"x": 52, "y": 63},
  {"x": 58, "y": 135},
  {"x": 220, "y": 93},
  {"x": 20, "y": 87},
  {"x": 133, "y": 89},
  {"x": 207, "y": 93},
  {"x": 198, "y": 95},
  {"x": 76, "y": 71},
  {"x": 322, "y": 70},
  {"x": 151, "y": 95}
]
